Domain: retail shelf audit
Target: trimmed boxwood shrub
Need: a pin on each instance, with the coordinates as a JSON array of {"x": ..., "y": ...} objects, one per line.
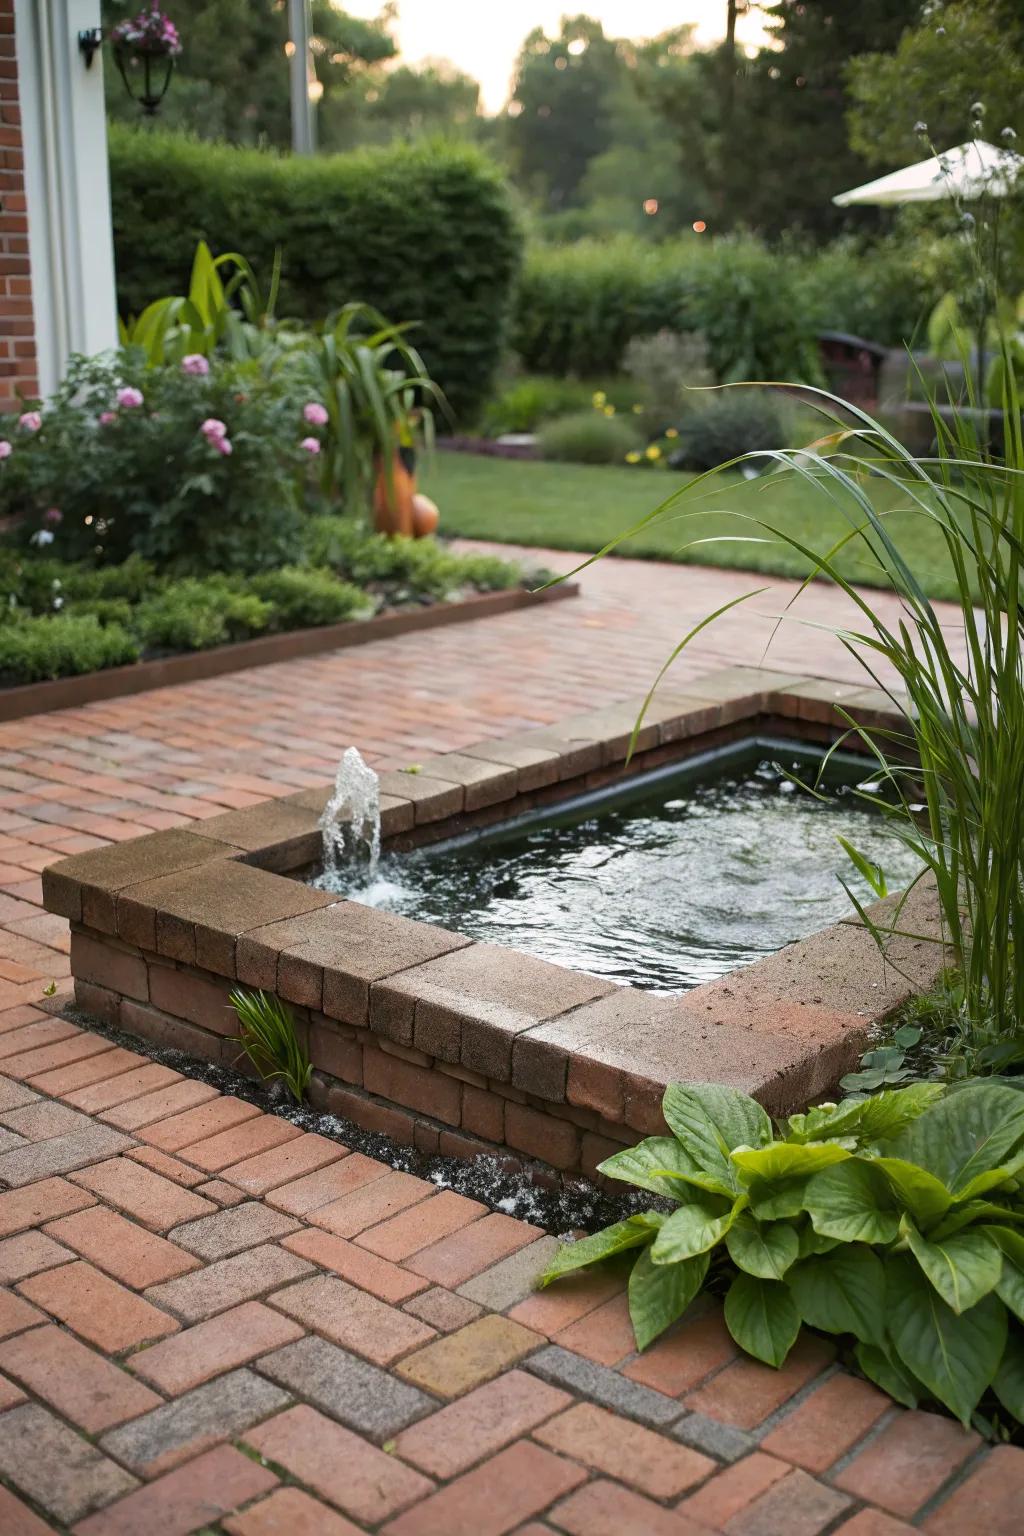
[
  {"x": 34, "y": 650},
  {"x": 424, "y": 232},
  {"x": 588, "y": 437}
]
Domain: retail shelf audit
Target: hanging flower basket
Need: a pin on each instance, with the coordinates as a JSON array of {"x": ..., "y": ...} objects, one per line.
[{"x": 145, "y": 49}]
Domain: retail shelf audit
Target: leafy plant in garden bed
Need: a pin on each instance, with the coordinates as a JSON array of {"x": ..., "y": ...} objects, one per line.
[
  {"x": 894, "y": 1221},
  {"x": 63, "y": 619}
]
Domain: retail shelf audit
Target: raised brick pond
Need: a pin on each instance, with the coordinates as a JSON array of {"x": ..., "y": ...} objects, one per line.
[{"x": 459, "y": 1047}]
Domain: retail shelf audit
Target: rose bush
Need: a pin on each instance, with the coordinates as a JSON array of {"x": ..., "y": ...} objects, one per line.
[{"x": 200, "y": 466}]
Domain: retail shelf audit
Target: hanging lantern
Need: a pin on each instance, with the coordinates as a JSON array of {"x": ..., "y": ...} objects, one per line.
[{"x": 145, "y": 49}]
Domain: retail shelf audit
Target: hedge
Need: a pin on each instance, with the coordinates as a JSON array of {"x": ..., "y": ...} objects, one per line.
[
  {"x": 426, "y": 233},
  {"x": 760, "y": 309}
]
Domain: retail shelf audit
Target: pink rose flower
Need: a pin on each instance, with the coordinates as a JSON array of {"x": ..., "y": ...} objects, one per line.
[
  {"x": 107, "y": 417},
  {"x": 129, "y": 397},
  {"x": 195, "y": 364},
  {"x": 5, "y": 449},
  {"x": 213, "y": 430},
  {"x": 315, "y": 414},
  {"x": 53, "y": 516},
  {"x": 311, "y": 445},
  {"x": 30, "y": 421},
  {"x": 222, "y": 445}
]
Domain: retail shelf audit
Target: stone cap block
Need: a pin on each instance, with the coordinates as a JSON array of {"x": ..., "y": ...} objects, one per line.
[
  {"x": 818, "y": 699},
  {"x": 396, "y": 811},
  {"x": 484, "y": 783},
  {"x": 84, "y": 887},
  {"x": 328, "y": 959},
  {"x": 838, "y": 970},
  {"x": 468, "y": 1006},
  {"x": 432, "y": 799},
  {"x": 277, "y": 834},
  {"x": 537, "y": 765},
  {"x": 199, "y": 921},
  {"x": 742, "y": 691},
  {"x": 611, "y": 727}
]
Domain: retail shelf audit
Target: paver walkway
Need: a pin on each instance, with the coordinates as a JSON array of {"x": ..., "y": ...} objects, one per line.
[{"x": 212, "y": 1321}]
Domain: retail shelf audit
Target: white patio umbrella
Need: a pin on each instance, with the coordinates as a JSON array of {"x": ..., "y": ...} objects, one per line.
[{"x": 969, "y": 171}]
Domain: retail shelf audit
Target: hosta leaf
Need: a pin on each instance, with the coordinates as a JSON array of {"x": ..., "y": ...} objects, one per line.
[
  {"x": 842, "y": 1292},
  {"x": 710, "y": 1120},
  {"x": 648, "y": 1164},
  {"x": 784, "y": 1160},
  {"x": 779, "y": 1199},
  {"x": 1010, "y": 1289},
  {"x": 993, "y": 1178},
  {"x": 1008, "y": 1383},
  {"x": 963, "y": 1267},
  {"x": 968, "y": 1213},
  {"x": 765, "y": 1249},
  {"x": 884, "y": 1114},
  {"x": 812, "y": 1242},
  {"x": 852, "y": 1202},
  {"x": 925, "y": 1196},
  {"x": 659, "y": 1293},
  {"x": 762, "y": 1319},
  {"x": 882, "y": 1367},
  {"x": 954, "y": 1356},
  {"x": 969, "y": 1132},
  {"x": 693, "y": 1229},
  {"x": 634, "y": 1232}
]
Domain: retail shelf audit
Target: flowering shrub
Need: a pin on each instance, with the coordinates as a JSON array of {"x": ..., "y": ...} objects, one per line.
[{"x": 198, "y": 466}]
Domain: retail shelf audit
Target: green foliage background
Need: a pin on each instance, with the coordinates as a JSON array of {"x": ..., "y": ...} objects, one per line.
[
  {"x": 427, "y": 233},
  {"x": 759, "y": 309}
]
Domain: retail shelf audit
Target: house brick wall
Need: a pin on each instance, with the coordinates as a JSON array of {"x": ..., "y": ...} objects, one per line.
[{"x": 18, "y": 368}]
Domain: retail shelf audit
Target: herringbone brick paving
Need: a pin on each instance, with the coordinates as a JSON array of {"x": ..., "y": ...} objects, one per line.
[{"x": 181, "y": 1351}]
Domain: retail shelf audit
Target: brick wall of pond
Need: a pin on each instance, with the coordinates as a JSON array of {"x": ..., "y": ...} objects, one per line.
[{"x": 358, "y": 1075}]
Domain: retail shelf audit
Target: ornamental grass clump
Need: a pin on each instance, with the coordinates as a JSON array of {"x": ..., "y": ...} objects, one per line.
[
  {"x": 948, "y": 779},
  {"x": 893, "y": 1221},
  {"x": 269, "y": 1039}
]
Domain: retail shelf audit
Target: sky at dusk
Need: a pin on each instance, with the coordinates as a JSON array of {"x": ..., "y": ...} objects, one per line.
[{"x": 482, "y": 38}]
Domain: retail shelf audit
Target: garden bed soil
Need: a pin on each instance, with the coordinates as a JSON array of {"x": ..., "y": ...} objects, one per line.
[
  {"x": 465, "y": 1049},
  {"x": 117, "y": 682}
]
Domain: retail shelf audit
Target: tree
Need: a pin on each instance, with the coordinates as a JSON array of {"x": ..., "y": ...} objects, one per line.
[
  {"x": 788, "y": 151},
  {"x": 960, "y": 53},
  {"x": 231, "y": 80},
  {"x": 558, "y": 118},
  {"x": 384, "y": 105}
]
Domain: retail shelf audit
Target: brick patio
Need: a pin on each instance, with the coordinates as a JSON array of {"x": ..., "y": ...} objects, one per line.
[{"x": 211, "y": 1320}]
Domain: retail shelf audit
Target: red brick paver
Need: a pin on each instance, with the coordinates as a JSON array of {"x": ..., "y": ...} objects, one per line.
[{"x": 429, "y": 1433}]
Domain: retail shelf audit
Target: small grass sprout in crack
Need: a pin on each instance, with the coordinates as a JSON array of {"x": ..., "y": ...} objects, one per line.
[{"x": 269, "y": 1039}]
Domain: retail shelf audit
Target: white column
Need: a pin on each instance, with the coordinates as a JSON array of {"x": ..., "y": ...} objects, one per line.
[{"x": 67, "y": 184}]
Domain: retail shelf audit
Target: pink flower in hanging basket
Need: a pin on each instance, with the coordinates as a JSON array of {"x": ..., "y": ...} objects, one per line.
[
  {"x": 107, "y": 418},
  {"x": 310, "y": 444},
  {"x": 213, "y": 430},
  {"x": 315, "y": 413},
  {"x": 196, "y": 364},
  {"x": 129, "y": 398},
  {"x": 5, "y": 449},
  {"x": 149, "y": 32},
  {"x": 30, "y": 421}
]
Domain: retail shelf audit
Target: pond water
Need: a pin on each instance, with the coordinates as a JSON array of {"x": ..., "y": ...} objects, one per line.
[{"x": 686, "y": 875}]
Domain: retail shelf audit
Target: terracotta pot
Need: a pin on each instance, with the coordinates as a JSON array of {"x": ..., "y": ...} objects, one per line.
[
  {"x": 425, "y": 516},
  {"x": 392, "y": 504}
]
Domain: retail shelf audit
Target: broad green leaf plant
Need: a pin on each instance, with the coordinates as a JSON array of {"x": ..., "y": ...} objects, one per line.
[{"x": 895, "y": 1221}]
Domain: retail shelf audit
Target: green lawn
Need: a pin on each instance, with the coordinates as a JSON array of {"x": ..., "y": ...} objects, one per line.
[{"x": 576, "y": 506}]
